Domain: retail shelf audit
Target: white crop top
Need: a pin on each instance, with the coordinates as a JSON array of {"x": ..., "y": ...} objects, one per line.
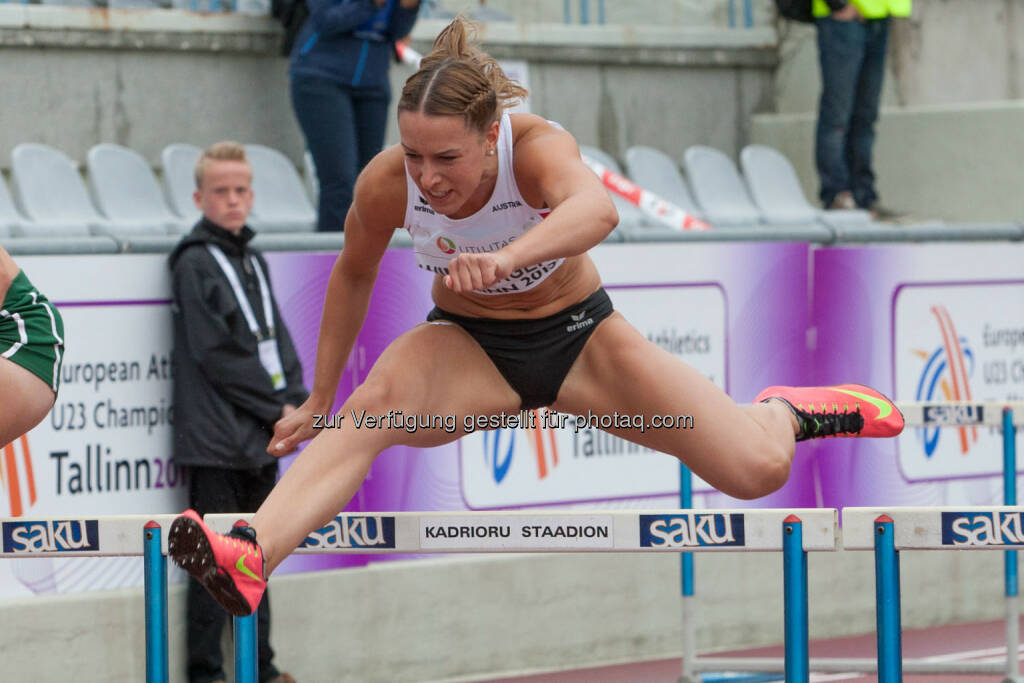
[{"x": 506, "y": 216}]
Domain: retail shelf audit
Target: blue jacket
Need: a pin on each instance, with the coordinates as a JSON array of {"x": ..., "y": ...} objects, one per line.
[{"x": 350, "y": 41}]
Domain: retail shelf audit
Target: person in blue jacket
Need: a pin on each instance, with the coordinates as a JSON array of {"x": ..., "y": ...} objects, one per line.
[{"x": 340, "y": 90}]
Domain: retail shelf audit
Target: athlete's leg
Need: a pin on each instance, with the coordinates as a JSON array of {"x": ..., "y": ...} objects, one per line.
[
  {"x": 27, "y": 400},
  {"x": 743, "y": 451},
  {"x": 435, "y": 369}
]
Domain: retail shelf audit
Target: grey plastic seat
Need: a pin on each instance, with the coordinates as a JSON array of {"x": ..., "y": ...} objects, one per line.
[
  {"x": 280, "y": 203},
  {"x": 49, "y": 189},
  {"x": 718, "y": 188},
  {"x": 654, "y": 170},
  {"x": 126, "y": 189},
  {"x": 776, "y": 190},
  {"x": 11, "y": 222},
  {"x": 178, "y": 162},
  {"x": 629, "y": 214}
]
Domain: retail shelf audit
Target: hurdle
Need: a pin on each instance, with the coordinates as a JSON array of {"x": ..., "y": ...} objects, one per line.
[
  {"x": 1005, "y": 415},
  {"x": 887, "y": 531},
  {"x": 794, "y": 532},
  {"x": 110, "y": 536}
]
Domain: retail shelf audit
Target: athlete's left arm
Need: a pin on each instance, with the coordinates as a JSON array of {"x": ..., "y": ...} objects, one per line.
[
  {"x": 582, "y": 212},
  {"x": 549, "y": 172}
]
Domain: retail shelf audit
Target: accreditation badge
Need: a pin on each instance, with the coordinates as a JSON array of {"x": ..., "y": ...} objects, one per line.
[{"x": 271, "y": 362}]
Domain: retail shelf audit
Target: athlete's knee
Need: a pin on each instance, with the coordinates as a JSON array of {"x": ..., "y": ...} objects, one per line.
[{"x": 378, "y": 394}]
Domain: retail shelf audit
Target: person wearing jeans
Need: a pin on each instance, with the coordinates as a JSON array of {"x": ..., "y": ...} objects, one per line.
[
  {"x": 340, "y": 90},
  {"x": 852, "y": 42}
]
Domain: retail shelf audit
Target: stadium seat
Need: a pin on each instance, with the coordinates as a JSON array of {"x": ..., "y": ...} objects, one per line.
[
  {"x": 629, "y": 214},
  {"x": 718, "y": 188},
  {"x": 47, "y": 186},
  {"x": 654, "y": 170},
  {"x": 179, "y": 175},
  {"x": 126, "y": 190},
  {"x": 776, "y": 191},
  {"x": 280, "y": 203},
  {"x": 11, "y": 222}
]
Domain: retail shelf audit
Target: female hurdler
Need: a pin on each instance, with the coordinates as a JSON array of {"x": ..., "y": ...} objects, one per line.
[{"x": 503, "y": 210}]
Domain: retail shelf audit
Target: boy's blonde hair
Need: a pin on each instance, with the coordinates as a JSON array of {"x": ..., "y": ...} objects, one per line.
[{"x": 219, "y": 151}]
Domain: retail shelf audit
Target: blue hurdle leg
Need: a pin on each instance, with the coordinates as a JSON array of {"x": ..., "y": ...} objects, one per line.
[
  {"x": 155, "y": 569},
  {"x": 1010, "y": 556},
  {"x": 794, "y": 564},
  {"x": 887, "y": 603},
  {"x": 686, "y": 579},
  {"x": 246, "y": 662}
]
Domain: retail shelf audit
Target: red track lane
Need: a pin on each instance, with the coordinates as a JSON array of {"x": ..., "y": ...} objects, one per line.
[{"x": 982, "y": 641}]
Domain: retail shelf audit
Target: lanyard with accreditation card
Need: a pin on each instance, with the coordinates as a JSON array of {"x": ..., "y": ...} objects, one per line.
[{"x": 270, "y": 358}]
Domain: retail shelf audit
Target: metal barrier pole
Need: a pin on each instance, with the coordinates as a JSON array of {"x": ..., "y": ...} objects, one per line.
[
  {"x": 794, "y": 564},
  {"x": 887, "y": 603},
  {"x": 1010, "y": 556},
  {"x": 246, "y": 661},
  {"x": 155, "y": 570},
  {"x": 686, "y": 578}
]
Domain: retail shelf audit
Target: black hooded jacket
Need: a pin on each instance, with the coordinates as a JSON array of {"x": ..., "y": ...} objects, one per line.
[{"x": 225, "y": 404}]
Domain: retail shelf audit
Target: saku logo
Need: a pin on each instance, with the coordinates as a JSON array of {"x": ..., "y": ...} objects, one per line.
[{"x": 946, "y": 377}]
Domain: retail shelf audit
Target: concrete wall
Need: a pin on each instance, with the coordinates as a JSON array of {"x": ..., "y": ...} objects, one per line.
[
  {"x": 951, "y": 163},
  {"x": 947, "y": 52},
  {"x": 950, "y": 131},
  {"x": 146, "y": 79},
  {"x": 478, "y": 617}
]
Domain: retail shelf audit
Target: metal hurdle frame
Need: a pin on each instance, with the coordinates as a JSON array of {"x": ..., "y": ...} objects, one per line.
[
  {"x": 792, "y": 531},
  {"x": 1007, "y": 415},
  {"x": 887, "y": 531}
]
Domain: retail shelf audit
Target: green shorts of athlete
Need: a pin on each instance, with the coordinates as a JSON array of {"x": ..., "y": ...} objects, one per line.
[{"x": 32, "y": 331}]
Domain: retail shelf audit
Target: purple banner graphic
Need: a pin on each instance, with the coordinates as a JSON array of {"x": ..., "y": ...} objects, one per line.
[{"x": 930, "y": 322}]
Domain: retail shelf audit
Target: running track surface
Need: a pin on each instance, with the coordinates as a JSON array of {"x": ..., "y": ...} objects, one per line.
[{"x": 982, "y": 641}]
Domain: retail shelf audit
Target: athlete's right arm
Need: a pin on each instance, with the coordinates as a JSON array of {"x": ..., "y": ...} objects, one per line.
[{"x": 378, "y": 208}]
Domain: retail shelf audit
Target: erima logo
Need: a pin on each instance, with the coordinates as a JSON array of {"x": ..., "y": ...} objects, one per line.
[
  {"x": 578, "y": 322},
  {"x": 354, "y": 532},
  {"x": 691, "y": 529},
  {"x": 982, "y": 528},
  {"x": 51, "y": 536},
  {"x": 506, "y": 205}
]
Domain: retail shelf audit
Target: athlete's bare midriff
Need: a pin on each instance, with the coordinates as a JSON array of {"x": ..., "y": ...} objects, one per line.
[{"x": 572, "y": 282}]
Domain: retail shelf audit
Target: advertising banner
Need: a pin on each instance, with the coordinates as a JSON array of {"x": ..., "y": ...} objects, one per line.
[{"x": 932, "y": 322}]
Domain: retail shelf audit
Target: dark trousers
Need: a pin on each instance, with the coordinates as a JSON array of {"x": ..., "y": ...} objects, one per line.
[
  {"x": 344, "y": 128},
  {"x": 212, "y": 490},
  {"x": 852, "y": 57}
]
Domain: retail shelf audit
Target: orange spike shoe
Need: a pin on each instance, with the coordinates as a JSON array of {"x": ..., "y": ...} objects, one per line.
[
  {"x": 229, "y": 566},
  {"x": 845, "y": 410}
]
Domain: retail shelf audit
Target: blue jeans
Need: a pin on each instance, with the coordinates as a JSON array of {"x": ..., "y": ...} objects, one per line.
[
  {"x": 852, "y": 57},
  {"x": 344, "y": 128}
]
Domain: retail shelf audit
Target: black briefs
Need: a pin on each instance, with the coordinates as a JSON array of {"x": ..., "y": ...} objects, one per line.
[{"x": 534, "y": 356}]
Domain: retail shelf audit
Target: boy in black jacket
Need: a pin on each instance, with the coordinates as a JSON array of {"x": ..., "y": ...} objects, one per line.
[{"x": 235, "y": 374}]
